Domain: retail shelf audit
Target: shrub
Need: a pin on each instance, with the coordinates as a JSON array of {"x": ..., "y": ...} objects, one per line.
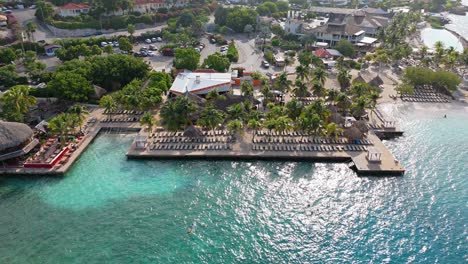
[{"x": 232, "y": 53}]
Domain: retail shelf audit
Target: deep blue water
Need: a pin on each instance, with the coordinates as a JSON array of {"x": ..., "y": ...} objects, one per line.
[{"x": 110, "y": 210}]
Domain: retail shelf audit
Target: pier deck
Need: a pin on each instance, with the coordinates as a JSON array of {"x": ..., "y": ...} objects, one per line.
[{"x": 243, "y": 150}]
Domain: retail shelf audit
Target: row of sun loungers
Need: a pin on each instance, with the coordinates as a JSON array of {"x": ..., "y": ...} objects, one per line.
[
  {"x": 284, "y": 134},
  {"x": 118, "y": 120},
  {"x": 180, "y": 134},
  {"x": 221, "y": 139},
  {"x": 424, "y": 100},
  {"x": 317, "y": 148},
  {"x": 124, "y": 112},
  {"x": 313, "y": 140},
  {"x": 190, "y": 147}
]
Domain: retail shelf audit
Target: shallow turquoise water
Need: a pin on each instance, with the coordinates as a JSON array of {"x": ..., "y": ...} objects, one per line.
[
  {"x": 430, "y": 36},
  {"x": 110, "y": 210}
]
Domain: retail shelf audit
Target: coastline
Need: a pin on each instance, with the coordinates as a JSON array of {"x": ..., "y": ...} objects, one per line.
[{"x": 463, "y": 41}]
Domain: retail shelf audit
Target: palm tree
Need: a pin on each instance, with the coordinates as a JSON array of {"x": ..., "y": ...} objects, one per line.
[
  {"x": 148, "y": 120},
  {"x": 358, "y": 108},
  {"x": 283, "y": 123},
  {"x": 254, "y": 125},
  {"x": 211, "y": 117},
  {"x": 302, "y": 72},
  {"x": 16, "y": 102},
  {"x": 247, "y": 89},
  {"x": 320, "y": 75},
  {"x": 321, "y": 109},
  {"x": 131, "y": 30},
  {"x": 30, "y": 29},
  {"x": 235, "y": 126},
  {"x": 344, "y": 79},
  {"x": 108, "y": 103},
  {"x": 176, "y": 114},
  {"x": 332, "y": 129},
  {"x": 282, "y": 83},
  {"x": 300, "y": 89},
  {"x": 61, "y": 126},
  {"x": 343, "y": 102},
  {"x": 294, "y": 109},
  {"x": 267, "y": 93},
  {"x": 423, "y": 51},
  {"x": 439, "y": 48},
  {"x": 236, "y": 112},
  {"x": 373, "y": 97},
  {"x": 318, "y": 89},
  {"x": 332, "y": 95},
  {"x": 80, "y": 111}
]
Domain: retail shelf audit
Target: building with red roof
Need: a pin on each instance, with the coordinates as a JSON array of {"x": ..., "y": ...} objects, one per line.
[
  {"x": 150, "y": 6},
  {"x": 72, "y": 9}
]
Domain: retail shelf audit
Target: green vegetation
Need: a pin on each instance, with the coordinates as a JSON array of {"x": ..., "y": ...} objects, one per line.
[
  {"x": 186, "y": 59},
  {"x": 16, "y": 102},
  {"x": 134, "y": 96},
  {"x": 70, "y": 86},
  {"x": 235, "y": 18},
  {"x": 216, "y": 62},
  {"x": 177, "y": 114},
  {"x": 345, "y": 47},
  {"x": 275, "y": 9},
  {"x": 441, "y": 80},
  {"x": 232, "y": 53}
]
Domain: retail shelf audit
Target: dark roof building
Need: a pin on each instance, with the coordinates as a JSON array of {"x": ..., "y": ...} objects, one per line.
[{"x": 15, "y": 140}]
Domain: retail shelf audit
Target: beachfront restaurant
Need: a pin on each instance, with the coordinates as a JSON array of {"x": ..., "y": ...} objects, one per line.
[{"x": 16, "y": 140}]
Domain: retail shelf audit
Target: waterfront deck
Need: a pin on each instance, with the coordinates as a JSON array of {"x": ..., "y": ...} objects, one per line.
[{"x": 244, "y": 149}]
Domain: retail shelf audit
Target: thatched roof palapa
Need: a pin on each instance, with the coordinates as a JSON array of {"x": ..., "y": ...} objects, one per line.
[
  {"x": 352, "y": 133},
  {"x": 192, "y": 131},
  {"x": 13, "y": 134}
]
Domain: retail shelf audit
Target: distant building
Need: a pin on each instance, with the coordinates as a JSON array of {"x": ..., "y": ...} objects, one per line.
[
  {"x": 201, "y": 83},
  {"x": 328, "y": 53},
  {"x": 72, "y": 9},
  {"x": 151, "y": 6},
  {"x": 334, "y": 24}
]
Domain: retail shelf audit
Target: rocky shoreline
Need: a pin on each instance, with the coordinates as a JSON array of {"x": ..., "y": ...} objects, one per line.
[{"x": 463, "y": 41}]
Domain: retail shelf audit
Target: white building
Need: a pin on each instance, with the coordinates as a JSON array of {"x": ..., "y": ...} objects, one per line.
[
  {"x": 72, "y": 9},
  {"x": 201, "y": 83},
  {"x": 150, "y": 6}
]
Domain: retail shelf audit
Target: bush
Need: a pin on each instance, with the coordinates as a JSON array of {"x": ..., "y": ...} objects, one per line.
[
  {"x": 290, "y": 45},
  {"x": 275, "y": 42},
  {"x": 232, "y": 53}
]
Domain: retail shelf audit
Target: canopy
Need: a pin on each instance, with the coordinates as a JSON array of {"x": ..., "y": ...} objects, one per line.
[{"x": 368, "y": 40}]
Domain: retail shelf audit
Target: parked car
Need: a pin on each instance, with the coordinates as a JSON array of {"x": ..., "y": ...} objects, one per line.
[
  {"x": 150, "y": 54},
  {"x": 265, "y": 64},
  {"x": 213, "y": 41},
  {"x": 137, "y": 54},
  {"x": 148, "y": 41},
  {"x": 152, "y": 47},
  {"x": 159, "y": 39},
  {"x": 32, "y": 6},
  {"x": 154, "y": 40},
  {"x": 8, "y": 11},
  {"x": 103, "y": 44},
  {"x": 197, "y": 49},
  {"x": 143, "y": 48},
  {"x": 115, "y": 44},
  {"x": 144, "y": 53}
]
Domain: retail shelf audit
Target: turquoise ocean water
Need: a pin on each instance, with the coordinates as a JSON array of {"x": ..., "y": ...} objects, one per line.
[{"x": 110, "y": 210}]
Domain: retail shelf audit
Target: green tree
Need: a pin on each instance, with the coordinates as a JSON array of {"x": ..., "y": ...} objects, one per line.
[
  {"x": 344, "y": 79},
  {"x": 332, "y": 129},
  {"x": 30, "y": 29},
  {"x": 294, "y": 109},
  {"x": 235, "y": 126},
  {"x": 15, "y": 103},
  {"x": 282, "y": 83},
  {"x": 186, "y": 59},
  {"x": 237, "y": 18},
  {"x": 8, "y": 75},
  {"x": 300, "y": 89},
  {"x": 302, "y": 72},
  {"x": 217, "y": 62},
  {"x": 320, "y": 75},
  {"x": 44, "y": 11},
  {"x": 236, "y": 111},
  {"x": 125, "y": 44},
  {"x": 255, "y": 125},
  {"x": 176, "y": 114},
  {"x": 96, "y": 50},
  {"x": 108, "y": 103},
  {"x": 70, "y": 86},
  {"x": 148, "y": 120},
  {"x": 345, "y": 47},
  {"x": 7, "y": 55},
  {"x": 131, "y": 31},
  {"x": 61, "y": 125},
  {"x": 80, "y": 113},
  {"x": 211, "y": 117},
  {"x": 247, "y": 89}
]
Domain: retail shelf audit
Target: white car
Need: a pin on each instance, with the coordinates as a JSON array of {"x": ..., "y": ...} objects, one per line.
[
  {"x": 103, "y": 44},
  {"x": 32, "y": 6},
  {"x": 150, "y": 53},
  {"x": 159, "y": 39},
  {"x": 197, "y": 49},
  {"x": 148, "y": 41}
]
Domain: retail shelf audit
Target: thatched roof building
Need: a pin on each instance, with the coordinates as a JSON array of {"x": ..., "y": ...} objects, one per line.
[
  {"x": 371, "y": 79},
  {"x": 13, "y": 135}
]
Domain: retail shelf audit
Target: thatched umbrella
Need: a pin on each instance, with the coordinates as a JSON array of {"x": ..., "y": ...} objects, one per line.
[
  {"x": 362, "y": 126},
  {"x": 352, "y": 133},
  {"x": 192, "y": 131},
  {"x": 13, "y": 134},
  {"x": 337, "y": 118}
]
